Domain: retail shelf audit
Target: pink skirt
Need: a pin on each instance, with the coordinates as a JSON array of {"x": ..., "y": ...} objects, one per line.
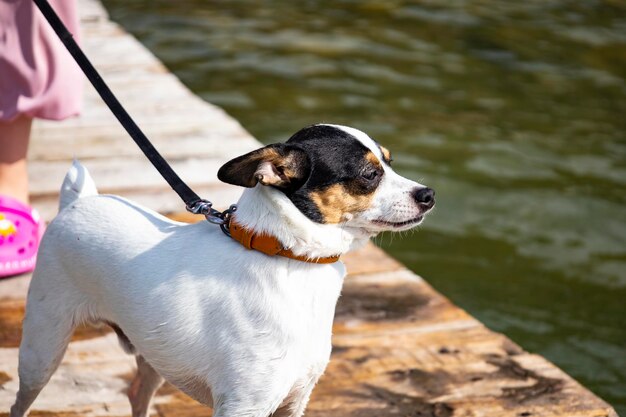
[{"x": 38, "y": 77}]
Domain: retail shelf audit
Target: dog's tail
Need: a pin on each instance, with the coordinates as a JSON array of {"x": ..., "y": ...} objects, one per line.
[{"x": 77, "y": 183}]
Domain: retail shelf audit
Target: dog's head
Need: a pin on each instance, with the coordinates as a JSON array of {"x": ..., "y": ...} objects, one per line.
[{"x": 335, "y": 175}]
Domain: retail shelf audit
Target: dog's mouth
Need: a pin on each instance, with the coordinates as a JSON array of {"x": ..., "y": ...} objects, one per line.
[{"x": 400, "y": 225}]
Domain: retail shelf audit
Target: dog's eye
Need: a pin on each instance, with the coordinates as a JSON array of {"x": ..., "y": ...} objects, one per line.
[{"x": 370, "y": 175}]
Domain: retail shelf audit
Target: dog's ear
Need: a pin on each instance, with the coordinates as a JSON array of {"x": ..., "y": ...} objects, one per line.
[{"x": 280, "y": 165}]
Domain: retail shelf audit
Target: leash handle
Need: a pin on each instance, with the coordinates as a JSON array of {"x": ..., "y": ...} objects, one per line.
[{"x": 186, "y": 194}]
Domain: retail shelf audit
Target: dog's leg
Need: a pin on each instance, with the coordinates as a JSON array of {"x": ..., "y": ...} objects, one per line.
[
  {"x": 292, "y": 406},
  {"x": 295, "y": 404},
  {"x": 240, "y": 408},
  {"x": 300, "y": 402},
  {"x": 47, "y": 329},
  {"x": 147, "y": 381}
]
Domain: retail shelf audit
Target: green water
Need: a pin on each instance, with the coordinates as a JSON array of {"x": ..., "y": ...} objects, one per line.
[{"x": 515, "y": 112}]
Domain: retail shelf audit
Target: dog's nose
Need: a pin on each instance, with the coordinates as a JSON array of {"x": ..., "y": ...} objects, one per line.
[{"x": 425, "y": 197}]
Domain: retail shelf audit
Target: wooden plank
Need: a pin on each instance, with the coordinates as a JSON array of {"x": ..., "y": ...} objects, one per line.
[
  {"x": 370, "y": 260},
  {"x": 119, "y": 174},
  {"x": 138, "y": 91},
  {"x": 147, "y": 108},
  {"x": 395, "y": 303},
  {"x": 420, "y": 380},
  {"x": 112, "y": 41},
  {"x": 197, "y": 144}
]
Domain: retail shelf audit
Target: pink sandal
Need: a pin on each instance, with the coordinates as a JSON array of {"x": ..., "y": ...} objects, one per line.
[{"x": 20, "y": 233}]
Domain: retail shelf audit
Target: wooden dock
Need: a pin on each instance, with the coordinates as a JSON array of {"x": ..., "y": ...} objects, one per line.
[{"x": 400, "y": 348}]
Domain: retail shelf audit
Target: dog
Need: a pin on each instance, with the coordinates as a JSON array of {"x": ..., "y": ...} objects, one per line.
[{"x": 240, "y": 331}]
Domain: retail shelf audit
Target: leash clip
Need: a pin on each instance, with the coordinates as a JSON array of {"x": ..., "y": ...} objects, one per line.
[
  {"x": 205, "y": 207},
  {"x": 200, "y": 207}
]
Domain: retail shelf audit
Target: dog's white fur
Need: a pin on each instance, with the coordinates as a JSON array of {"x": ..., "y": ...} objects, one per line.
[{"x": 233, "y": 328}]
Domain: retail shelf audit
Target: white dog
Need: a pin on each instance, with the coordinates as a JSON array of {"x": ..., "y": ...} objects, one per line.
[{"x": 246, "y": 333}]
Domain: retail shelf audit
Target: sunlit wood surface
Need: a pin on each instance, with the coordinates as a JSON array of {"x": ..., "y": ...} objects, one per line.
[{"x": 400, "y": 348}]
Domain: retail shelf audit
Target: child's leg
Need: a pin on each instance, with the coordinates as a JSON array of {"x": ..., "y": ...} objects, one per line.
[{"x": 14, "y": 136}]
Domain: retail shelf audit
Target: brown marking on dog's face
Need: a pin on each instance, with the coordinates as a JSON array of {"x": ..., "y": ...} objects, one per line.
[
  {"x": 350, "y": 196},
  {"x": 336, "y": 201},
  {"x": 386, "y": 154}
]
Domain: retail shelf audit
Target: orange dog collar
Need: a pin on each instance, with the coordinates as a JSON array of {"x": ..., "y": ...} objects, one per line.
[{"x": 269, "y": 245}]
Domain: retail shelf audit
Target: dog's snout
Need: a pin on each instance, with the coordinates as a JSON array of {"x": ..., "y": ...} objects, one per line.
[{"x": 425, "y": 197}]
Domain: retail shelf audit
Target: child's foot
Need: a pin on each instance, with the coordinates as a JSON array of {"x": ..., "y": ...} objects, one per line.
[{"x": 20, "y": 232}]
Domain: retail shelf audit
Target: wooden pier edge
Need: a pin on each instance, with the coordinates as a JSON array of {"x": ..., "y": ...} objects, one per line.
[{"x": 400, "y": 348}]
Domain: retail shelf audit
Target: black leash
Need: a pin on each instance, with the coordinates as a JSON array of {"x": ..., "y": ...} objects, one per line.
[{"x": 193, "y": 203}]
